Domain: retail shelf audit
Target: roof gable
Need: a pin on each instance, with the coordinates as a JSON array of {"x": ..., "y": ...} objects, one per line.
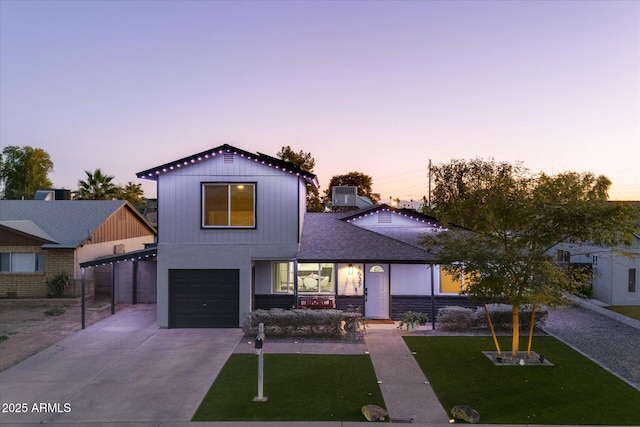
[
  {"x": 68, "y": 223},
  {"x": 24, "y": 231},
  {"x": 283, "y": 166},
  {"x": 326, "y": 236}
]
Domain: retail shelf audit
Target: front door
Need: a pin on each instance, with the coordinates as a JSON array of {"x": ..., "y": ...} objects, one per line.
[{"x": 376, "y": 291}]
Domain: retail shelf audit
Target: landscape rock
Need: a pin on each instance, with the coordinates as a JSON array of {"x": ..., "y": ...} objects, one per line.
[
  {"x": 465, "y": 413},
  {"x": 374, "y": 412}
]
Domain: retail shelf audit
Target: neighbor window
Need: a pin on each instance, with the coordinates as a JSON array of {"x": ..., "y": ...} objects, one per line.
[
  {"x": 632, "y": 280},
  {"x": 315, "y": 278},
  {"x": 21, "y": 262},
  {"x": 228, "y": 205}
]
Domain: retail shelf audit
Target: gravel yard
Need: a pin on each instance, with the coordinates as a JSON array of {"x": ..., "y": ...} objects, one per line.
[
  {"x": 25, "y": 331},
  {"x": 610, "y": 343}
]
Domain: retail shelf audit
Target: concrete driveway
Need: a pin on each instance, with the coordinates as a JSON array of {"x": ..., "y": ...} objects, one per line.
[{"x": 122, "y": 369}]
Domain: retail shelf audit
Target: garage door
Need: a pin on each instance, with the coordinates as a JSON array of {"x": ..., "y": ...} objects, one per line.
[{"x": 204, "y": 298}]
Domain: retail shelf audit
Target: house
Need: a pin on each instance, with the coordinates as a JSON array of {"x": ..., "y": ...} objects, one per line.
[
  {"x": 40, "y": 238},
  {"x": 614, "y": 270},
  {"x": 234, "y": 236}
]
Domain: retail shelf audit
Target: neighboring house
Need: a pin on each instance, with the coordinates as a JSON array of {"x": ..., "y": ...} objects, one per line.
[
  {"x": 40, "y": 238},
  {"x": 234, "y": 237},
  {"x": 614, "y": 270}
]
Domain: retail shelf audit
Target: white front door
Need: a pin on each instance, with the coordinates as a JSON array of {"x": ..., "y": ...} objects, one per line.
[{"x": 376, "y": 291}]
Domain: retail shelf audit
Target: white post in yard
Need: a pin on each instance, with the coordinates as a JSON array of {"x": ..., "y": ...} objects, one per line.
[{"x": 259, "y": 343}]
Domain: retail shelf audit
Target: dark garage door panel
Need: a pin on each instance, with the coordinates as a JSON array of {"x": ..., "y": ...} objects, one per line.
[{"x": 204, "y": 298}]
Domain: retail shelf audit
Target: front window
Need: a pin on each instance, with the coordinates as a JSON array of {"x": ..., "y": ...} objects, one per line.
[
  {"x": 228, "y": 205},
  {"x": 21, "y": 262},
  {"x": 350, "y": 280},
  {"x": 450, "y": 284},
  {"x": 283, "y": 277},
  {"x": 315, "y": 278}
]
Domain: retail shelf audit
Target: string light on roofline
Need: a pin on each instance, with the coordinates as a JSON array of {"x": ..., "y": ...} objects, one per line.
[{"x": 199, "y": 158}]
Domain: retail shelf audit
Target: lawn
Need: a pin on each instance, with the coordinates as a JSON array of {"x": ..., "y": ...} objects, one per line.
[
  {"x": 299, "y": 387},
  {"x": 632, "y": 311},
  {"x": 572, "y": 392}
]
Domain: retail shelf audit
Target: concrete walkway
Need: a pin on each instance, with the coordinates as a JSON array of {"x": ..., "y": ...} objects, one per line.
[{"x": 407, "y": 393}]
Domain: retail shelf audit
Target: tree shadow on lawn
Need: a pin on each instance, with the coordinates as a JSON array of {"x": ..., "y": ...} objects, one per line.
[
  {"x": 574, "y": 391},
  {"x": 299, "y": 387}
]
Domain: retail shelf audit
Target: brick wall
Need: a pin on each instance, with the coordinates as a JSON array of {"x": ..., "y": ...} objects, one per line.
[{"x": 34, "y": 285}]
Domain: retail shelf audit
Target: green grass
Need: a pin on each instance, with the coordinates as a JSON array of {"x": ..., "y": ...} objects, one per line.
[
  {"x": 572, "y": 392},
  {"x": 299, "y": 387},
  {"x": 632, "y": 311}
]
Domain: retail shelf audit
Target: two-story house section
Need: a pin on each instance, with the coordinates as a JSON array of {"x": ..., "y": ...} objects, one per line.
[{"x": 220, "y": 212}]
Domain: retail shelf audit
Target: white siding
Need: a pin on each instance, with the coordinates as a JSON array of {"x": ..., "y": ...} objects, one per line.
[
  {"x": 277, "y": 207},
  {"x": 411, "y": 279}
]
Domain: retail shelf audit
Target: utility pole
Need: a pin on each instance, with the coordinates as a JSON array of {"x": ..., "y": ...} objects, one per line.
[{"x": 429, "y": 201}]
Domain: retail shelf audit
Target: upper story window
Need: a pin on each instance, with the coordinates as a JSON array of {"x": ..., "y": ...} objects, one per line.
[
  {"x": 19, "y": 262},
  {"x": 229, "y": 205}
]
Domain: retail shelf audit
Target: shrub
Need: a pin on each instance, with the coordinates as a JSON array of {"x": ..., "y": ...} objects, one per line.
[
  {"x": 304, "y": 323},
  {"x": 56, "y": 311},
  {"x": 455, "y": 318},
  {"x": 412, "y": 318},
  {"x": 57, "y": 284}
]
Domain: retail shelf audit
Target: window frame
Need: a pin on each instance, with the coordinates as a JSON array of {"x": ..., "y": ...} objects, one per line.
[
  {"x": 228, "y": 185},
  {"x": 632, "y": 280},
  {"x": 38, "y": 263},
  {"x": 318, "y": 273}
]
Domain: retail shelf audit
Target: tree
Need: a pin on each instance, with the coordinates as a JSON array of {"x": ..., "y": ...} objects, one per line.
[
  {"x": 97, "y": 187},
  {"x": 511, "y": 220},
  {"x": 306, "y": 162},
  {"x": 132, "y": 193},
  {"x": 358, "y": 179},
  {"x": 23, "y": 170}
]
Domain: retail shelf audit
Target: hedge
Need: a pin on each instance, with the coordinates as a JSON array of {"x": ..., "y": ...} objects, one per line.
[
  {"x": 304, "y": 323},
  {"x": 454, "y": 318}
]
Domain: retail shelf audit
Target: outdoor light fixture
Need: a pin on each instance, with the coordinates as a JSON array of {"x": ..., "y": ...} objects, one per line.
[{"x": 350, "y": 271}]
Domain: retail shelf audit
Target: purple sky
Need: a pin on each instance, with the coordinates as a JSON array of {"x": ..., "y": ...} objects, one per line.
[{"x": 375, "y": 87}]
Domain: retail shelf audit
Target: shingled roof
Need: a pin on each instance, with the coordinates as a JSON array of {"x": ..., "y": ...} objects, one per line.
[
  {"x": 327, "y": 237},
  {"x": 66, "y": 223}
]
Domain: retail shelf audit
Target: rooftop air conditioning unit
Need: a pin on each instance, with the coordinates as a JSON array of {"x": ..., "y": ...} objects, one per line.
[{"x": 344, "y": 196}]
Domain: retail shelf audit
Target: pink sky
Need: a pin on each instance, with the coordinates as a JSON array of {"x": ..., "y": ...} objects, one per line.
[{"x": 376, "y": 87}]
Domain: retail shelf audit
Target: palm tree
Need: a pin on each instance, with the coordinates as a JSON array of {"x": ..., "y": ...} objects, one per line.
[
  {"x": 132, "y": 193},
  {"x": 97, "y": 187}
]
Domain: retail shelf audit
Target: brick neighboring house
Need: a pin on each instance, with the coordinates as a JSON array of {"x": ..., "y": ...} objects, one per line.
[{"x": 39, "y": 239}]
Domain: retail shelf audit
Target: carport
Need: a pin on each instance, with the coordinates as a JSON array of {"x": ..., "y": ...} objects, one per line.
[{"x": 133, "y": 257}]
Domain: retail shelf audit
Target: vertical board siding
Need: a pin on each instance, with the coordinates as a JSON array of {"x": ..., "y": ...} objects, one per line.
[
  {"x": 276, "y": 203},
  {"x": 123, "y": 224}
]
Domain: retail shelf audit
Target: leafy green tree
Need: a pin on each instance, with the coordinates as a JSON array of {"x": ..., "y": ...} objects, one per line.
[
  {"x": 509, "y": 220},
  {"x": 97, "y": 186},
  {"x": 306, "y": 162},
  {"x": 358, "y": 179},
  {"x": 132, "y": 193},
  {"x": 23, "y": 170}
]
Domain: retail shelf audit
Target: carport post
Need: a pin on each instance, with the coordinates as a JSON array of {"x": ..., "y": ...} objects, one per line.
[
  {"x": 83, "y": 293},
  {"x": 113, "y": 288},
  {"x": 433, "y": 302}
]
